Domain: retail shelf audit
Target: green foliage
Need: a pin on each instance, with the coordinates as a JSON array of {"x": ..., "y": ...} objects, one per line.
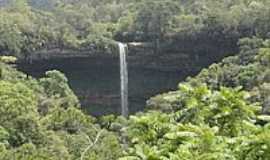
[
  {"x": 219, "y": 114},
  {"x": 4, "y": 135},
  {"x": 55, "y": 85},
  {"x": 30, "y": 26},
  {"x": 30, "y": 152},
  {"x": 201, "y": 120},
  {"x": 8, "y": 59},
  {"x": 29, "y": 132},
  {"x": 154, "y": 18},
  {"x": 207, "y": 125},
  {"x": 210, "y": 121},
  {"x": 255, "y": 146},
  {"x": 17, "y": 100},
  {"x": 148, "y": 128},
  {"x": 71, "y": 120}
]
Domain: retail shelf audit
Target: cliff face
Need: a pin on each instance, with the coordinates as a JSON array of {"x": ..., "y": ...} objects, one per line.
[
  {"x": 185, "y": 56},
  {"x": 139, "y": 54},
  {"x": 182, "y": 55}
]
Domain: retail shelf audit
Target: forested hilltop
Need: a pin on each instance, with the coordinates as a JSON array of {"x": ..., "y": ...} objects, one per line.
[
  {"x": 30, "y": 26},
  {"x": 220, "y": 114}
]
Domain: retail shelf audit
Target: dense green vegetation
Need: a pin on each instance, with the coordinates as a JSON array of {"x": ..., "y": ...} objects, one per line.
[
  {"x": 41, "y": 119},
  {"x": 220, "y": 114},
  {"x": 209, "y": 117},
  {"x": 29, "y": 26}
]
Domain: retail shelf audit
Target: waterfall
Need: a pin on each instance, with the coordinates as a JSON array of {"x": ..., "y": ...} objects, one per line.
[{"x": 124, "y": 79}]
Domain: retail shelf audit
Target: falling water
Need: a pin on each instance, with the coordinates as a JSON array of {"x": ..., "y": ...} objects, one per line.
[{"x": 124, "y": 79}]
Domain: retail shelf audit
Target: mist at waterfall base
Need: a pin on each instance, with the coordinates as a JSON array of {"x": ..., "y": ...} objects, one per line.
[{"x": 96, "y": 82}]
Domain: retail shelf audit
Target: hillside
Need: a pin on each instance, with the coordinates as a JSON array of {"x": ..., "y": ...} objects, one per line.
[{"x": 222, "y": 113}]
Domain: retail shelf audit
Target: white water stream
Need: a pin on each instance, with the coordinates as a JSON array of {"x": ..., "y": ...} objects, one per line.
[{"x": 123, "y": 78}]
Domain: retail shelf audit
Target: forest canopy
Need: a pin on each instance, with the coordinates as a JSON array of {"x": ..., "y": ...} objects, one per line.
[
  {"x": 220, "y": 114},
  {"x": 28, "y": 26},
  {"x": 209, "y": 117}
]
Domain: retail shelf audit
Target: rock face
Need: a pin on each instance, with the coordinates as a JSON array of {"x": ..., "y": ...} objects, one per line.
[
  {"x": 147, "y": 55},
  {"x": 139, "y": 54},
  {"x": 181, "y": 55}
]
